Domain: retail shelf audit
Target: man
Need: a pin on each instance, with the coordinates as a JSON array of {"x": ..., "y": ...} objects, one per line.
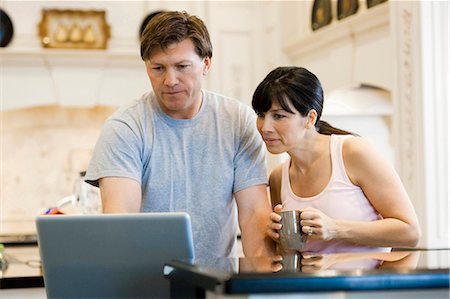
[{"x": 182, "y": 148}]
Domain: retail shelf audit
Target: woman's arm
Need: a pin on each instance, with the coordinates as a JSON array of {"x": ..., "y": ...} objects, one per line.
[
  {"x": 312, "y": 262},
  {"x": 406, "y": 259},
  {"x": 383, "y": 188}
]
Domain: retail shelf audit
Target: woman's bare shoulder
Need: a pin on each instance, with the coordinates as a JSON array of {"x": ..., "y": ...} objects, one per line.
[
  {"x": 359, "y": 158},
  {"x": 356, "y": 146}
]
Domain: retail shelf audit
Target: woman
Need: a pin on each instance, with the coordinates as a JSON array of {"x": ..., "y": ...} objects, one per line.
[{"x": 349, "y": 196}]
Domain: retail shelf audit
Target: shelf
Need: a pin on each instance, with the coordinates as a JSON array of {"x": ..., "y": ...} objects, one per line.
[
  {"x": 70, "y": 77},
  {"x": 349, "y": 27},
  {"x": 69, "y": 53}
]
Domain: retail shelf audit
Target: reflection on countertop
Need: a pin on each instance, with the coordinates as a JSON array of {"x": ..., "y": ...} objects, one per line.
[
  {"x": 401, "y": 269},
  {"x": 23, "y": 269},
  {"x": 397, "y": 259}
]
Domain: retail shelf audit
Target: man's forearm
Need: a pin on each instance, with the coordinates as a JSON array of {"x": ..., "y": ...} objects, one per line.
[
  {"x": 253, "y": 212},
  {"x": 255, "y": 242}
]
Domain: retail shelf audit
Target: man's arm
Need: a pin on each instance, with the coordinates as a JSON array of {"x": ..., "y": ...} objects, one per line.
[
  {"x": 120, "y": 195},
  {"x": 253, "y": 212}
]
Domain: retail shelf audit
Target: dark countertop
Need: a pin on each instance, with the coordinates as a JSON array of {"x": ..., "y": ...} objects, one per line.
[
  {"x": 24, "y": 267},
  {"x": 405, "y": 269},
  {"x": 365, "y": 271}
]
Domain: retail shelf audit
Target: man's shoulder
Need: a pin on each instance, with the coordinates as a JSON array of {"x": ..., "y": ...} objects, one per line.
[
  {"x": 215, "y": 96},
  {"x": 226, "y": 103},
  {"x": 136, "y": 108}
]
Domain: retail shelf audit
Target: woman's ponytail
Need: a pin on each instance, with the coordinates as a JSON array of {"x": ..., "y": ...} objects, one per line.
[{"x": 325, "y": 128}]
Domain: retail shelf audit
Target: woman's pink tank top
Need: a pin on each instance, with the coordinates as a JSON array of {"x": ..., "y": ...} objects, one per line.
[{"x": 339, "y": 200}]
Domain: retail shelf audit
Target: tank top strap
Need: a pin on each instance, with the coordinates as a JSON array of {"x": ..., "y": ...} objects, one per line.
[{"x": 337, "y": 161}]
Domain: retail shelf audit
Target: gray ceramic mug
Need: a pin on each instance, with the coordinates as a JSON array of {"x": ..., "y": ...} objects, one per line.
[
  {"x": 291, "y": 235},
  {"x": 292, "y": 262}
]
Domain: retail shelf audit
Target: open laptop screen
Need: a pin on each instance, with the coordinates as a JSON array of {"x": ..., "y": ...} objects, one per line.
[{"x": 111, "y": 255}]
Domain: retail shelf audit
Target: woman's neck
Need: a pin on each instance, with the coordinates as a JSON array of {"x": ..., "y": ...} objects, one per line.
[{"x": 312, "y": 151}]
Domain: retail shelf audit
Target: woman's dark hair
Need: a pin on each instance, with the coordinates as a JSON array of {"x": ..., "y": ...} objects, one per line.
[
  {"x": 294, "y": 85},
  {"x": 169, "y": 27}
]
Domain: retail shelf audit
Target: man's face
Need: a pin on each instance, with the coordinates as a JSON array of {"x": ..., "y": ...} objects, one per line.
[{"x": 176, "y": 75}]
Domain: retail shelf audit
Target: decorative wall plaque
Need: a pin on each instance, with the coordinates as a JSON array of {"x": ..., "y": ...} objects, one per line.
[
  {"x": 74, "y": 29},
  {"x": 346, "y": 8},
  {"x": 321, "y": 14}
]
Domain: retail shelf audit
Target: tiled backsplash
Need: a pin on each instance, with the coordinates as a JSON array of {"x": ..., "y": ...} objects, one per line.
[{"x": 43, "y": 150}]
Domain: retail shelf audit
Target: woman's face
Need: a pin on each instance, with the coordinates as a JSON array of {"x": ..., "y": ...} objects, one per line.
[{"x": 281, "y": 130}]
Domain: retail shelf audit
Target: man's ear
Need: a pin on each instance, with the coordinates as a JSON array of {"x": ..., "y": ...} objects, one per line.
[
  {"x": 206, "y": 65},
  {"x": 311, "y": 118}
]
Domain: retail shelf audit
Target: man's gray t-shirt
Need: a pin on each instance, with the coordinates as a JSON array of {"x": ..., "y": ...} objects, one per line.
[{"x": 191, "y": 165}]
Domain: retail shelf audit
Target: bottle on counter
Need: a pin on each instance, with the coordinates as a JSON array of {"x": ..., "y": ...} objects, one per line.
[
  {"x": 87, "y": 196},
  {"x": 3, "y": 261}
]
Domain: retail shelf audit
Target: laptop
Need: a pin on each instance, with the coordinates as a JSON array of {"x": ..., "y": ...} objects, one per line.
[{"x": 111, "y": 255}]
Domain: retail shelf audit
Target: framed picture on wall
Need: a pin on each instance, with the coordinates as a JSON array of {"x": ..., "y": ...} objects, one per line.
[
  {"x": 371, "y": 3},
  {"x": 6, "y": 29},
  {"x": 321, "y": 14},
  {"x": 346, "y": 8},
  {"x": 74, "y": 29}
]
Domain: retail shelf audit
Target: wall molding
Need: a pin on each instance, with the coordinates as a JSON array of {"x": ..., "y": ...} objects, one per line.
[{"x": 420, "y": 122}]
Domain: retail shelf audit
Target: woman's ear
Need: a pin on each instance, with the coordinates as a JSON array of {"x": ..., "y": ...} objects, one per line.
[{"x": 311, "y": 118}]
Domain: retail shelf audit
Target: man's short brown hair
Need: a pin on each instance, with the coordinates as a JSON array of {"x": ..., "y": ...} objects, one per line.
[{"x": 167, "y": 28}]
